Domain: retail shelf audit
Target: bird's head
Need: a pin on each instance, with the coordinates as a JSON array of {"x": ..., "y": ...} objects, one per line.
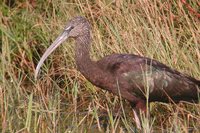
[{"x": 76, "y": 27}]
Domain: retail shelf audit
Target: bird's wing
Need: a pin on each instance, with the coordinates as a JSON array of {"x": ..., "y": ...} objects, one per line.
[{"x": 148, "y": 75}]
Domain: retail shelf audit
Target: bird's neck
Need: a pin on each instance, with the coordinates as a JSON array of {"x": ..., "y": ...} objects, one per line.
[
  {"x": 87, "y": 67},
  {"x": 82, "y": 55}
]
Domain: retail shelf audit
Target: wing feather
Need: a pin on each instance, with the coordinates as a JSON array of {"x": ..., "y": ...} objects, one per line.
[{"x": 142, "y": 73}]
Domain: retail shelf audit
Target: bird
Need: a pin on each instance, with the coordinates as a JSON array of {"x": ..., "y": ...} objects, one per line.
[{"x": 135, "y": 78}]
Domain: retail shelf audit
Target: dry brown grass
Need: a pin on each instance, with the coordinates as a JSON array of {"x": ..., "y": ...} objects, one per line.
[{"x": 63, "y": 100}]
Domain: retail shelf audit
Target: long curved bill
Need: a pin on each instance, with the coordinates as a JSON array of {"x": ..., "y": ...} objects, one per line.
[{"x": 59, "y": 40}]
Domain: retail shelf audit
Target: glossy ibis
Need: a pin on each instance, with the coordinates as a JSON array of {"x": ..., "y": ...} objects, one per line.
[{"x": 132, "y": 76}]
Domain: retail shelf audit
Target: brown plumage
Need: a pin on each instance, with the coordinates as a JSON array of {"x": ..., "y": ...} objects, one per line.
[{"x": 130, "y": 75}]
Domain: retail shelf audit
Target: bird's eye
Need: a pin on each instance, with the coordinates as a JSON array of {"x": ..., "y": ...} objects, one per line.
[
  {"x": 72, "y": 27},
  {"x": 69, "y": 28}
]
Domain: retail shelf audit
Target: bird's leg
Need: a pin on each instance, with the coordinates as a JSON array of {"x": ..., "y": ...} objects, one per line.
[
  {"x": 139, "y": 106},
  {"x": 142, "y": 106}
]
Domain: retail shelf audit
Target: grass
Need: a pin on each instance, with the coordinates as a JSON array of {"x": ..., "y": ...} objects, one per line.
[{"x": 63, "y": 100}]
